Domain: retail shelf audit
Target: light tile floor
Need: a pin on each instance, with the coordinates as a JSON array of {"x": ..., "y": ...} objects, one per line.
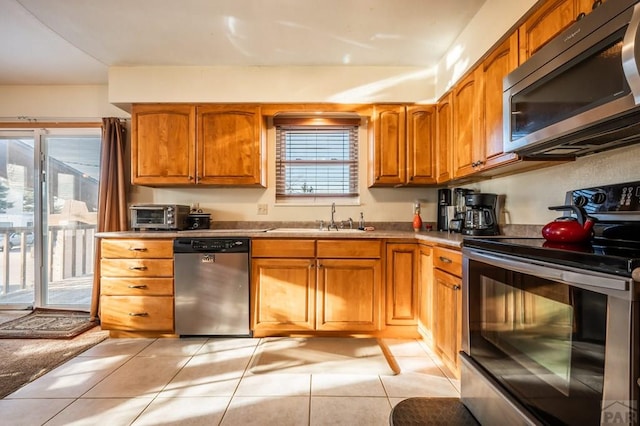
[{"x": 201, "y": 381}]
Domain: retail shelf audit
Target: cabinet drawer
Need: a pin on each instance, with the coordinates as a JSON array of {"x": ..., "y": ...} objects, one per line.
[
  {"x": 136, "y": 313},
  {"x": 136, "y": 267},
  {"x": 136, "y": 249},
  {"x": 121, "y": 286},
  {"x": 341, "y": 249},
  {"x": 283, "y": 248},
  {"x": 448, "y": 260}
]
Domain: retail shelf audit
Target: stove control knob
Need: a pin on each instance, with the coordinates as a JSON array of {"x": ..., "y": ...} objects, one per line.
[
  {"x": 580, "y": 201},
  {"x": 598, "y": 198}
]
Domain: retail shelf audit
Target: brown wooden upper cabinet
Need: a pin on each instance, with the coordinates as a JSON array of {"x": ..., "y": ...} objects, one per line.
[
  {"x": 402, "y": 151},
  {"x": 468, "y": 149},
  {"x": 553, "y": 17},
  {"x": 495, "y": 67},
  {"x": 478, "y": 116},
  {"x": 444, "y": 138},
  {"x": 197, "y": 144}
]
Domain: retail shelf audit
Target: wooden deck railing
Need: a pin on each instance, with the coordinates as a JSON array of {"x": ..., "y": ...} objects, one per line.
[{"x": 70, "y": 250}]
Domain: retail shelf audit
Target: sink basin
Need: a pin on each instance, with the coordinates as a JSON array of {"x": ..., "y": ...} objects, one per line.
[{"x": 307, "y": 230}]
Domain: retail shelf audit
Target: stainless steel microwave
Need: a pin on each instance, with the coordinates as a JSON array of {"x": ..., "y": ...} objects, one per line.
[
  {"x": 159, "y": 217},
  {"x": 579, "y": 94}
]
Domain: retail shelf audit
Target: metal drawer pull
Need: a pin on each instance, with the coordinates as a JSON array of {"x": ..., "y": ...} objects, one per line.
[
  {"x": 456, "y": 287},
  {"x": 137, "y": 286},
  {"x": 138, "y": 314},
  {"x": 137, "y": 249},
  {"x": 138, "y": 268},
  {"x": 445, "y": 260}
]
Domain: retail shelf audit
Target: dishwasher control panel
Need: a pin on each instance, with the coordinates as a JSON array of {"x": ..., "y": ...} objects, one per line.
[{"x": 211, "y": 245}]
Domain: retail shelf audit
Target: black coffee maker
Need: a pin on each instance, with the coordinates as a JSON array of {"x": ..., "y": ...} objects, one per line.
[
  {"x": 480, "y": 214},
  {"x": 444, "y": 201}
]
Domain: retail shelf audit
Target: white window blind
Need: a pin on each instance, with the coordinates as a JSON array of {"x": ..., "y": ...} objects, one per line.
[{"x": 316, "y": 160}]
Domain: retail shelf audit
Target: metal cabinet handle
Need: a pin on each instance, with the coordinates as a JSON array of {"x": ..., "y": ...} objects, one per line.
[
  {"x": 137, "y": 286},
  {"x": 445, "y": 259},
  {"x": 456, "y": 287},
  {"x": 138, "y": 314},
  {"x": 138, "y": 268},
  {"x": 137, "y": 249}
]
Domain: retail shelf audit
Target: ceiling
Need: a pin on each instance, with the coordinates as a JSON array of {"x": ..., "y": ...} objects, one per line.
[{"x": 76, "y": 41}]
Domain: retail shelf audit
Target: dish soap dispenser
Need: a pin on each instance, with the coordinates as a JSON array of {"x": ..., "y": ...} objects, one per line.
[{"x": 417, "y": 220}]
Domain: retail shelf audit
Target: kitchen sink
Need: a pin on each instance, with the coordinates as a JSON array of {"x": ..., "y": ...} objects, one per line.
[{"x": 307, "y": 230}]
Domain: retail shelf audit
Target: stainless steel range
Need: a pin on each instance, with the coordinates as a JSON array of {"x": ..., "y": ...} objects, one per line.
[{"x": 551, "y": 330}]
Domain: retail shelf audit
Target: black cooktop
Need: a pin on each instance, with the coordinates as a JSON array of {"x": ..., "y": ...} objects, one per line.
[
  {"x": 614, "y": 247},
  {"x": 595, "y": 255}
]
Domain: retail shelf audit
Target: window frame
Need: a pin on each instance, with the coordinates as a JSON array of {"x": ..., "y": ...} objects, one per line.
[{"x": 350, "y": 124}]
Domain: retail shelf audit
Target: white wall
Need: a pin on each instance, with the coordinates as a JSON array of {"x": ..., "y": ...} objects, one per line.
[
  {"x": 56, "y": 102},
  {"x": 271, "y": 84},
  {"x": 492, "y": 21}
]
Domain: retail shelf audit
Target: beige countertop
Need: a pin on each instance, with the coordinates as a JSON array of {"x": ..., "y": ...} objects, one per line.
[{"x": 441, "y": 238}]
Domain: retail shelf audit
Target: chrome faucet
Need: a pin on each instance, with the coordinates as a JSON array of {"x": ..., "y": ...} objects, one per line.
[{"x": 332, "y": 224}]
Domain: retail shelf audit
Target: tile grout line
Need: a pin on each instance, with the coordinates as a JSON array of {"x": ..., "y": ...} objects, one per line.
[
  {"x": 169, "y": 381},
  {"x": 96, "y": 384},
  {"x": 246, "y": 368}
]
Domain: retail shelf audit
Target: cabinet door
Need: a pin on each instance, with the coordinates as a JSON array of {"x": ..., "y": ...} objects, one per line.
[
  {"x": 348, "y": 296},
  {"x": 467, "y": 116},
  {"x": 421, "y": 145},
  {"x": 230, "y": 150},
  {"x": 425, "y": 293},
  {"x": 444, "y": 138},
  {"x": 502, "y": 61},
  {"x": 448, "y": 318},
  {"x": 283, "y": 294},
  {"x": 388, "y": 165},
  {"x": 401, "y": 283},
  {"x": 553, "y": 17},
  {"x": 163, "y": 144}
]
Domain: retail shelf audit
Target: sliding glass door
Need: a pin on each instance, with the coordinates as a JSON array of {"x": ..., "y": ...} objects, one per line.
[{"x": 48, "y": 212}]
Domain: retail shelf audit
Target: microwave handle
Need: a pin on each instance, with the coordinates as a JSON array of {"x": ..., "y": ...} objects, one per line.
[{"x": 631, "y": 53}]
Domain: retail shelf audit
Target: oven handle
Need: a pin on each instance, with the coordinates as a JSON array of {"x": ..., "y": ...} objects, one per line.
[{"x": 578, "y": 279}]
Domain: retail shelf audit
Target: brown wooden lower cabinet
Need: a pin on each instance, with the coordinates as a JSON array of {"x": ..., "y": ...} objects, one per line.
[
  {"x": 136, "y": 292},
  {"x": 425, "y": 293},
  {"x": 447, "y": 306},
  {"x": 402, "y": 301},
  {"x": 348, "y": 294},
  {"x": 336, "y": 289},
  {"x": 283, "y": 294}
]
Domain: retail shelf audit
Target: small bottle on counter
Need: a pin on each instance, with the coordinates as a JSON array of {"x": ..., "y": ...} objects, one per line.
[{"x": 417, "y": 220}]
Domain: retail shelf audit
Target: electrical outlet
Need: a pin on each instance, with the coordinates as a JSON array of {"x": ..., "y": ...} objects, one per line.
[{"x": 262, "y": 209}]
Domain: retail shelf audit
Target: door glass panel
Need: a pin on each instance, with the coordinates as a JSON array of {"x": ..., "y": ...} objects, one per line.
[
  {"x": 72, "y": 173},
  {"x": 17, "y": 258}
]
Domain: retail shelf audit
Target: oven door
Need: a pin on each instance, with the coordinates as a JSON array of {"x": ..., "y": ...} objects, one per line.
[{"x": 557, "y": 341}]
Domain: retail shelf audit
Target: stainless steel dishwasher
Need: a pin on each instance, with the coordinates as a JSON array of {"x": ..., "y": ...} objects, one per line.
[{"x": 211, "y": 286}]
